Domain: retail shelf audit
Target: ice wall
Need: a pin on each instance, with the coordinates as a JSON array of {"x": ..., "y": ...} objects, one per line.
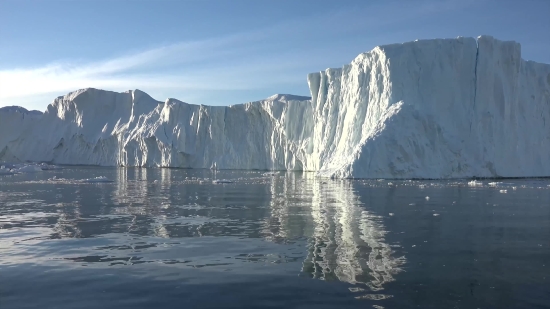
[
  {"x": 438, "y": 109},
  {"x": 442, "y": 108},
  {"x": 99, "y": 127},
  {"x": 14, "y": 121}
]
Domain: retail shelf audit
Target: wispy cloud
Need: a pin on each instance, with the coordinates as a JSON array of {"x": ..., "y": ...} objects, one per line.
[
  {"x": 121, "y": 72},
  {"x": 277, "y": 54}
]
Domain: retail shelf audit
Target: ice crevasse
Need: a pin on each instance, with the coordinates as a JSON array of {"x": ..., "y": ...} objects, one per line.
[{"x": 441, "y": 108}]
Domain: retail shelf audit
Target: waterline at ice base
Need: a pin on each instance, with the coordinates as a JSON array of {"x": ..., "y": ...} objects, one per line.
[{"x": 441, "y": 108}]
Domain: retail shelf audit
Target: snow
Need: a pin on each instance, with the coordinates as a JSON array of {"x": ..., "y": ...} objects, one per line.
[{"x": 441, "y": 108}]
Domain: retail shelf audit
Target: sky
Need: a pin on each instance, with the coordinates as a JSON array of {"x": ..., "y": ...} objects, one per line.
[{"x": 223, "y": 52}]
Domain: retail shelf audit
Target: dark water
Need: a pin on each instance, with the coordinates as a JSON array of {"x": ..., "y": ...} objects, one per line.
[{"x": 159, "y": 238}]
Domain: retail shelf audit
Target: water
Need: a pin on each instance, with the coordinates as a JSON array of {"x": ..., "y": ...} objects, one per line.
[{"x": 169, "y": 238}]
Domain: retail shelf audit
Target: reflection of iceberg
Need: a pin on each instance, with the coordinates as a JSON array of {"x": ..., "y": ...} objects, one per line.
[
  {"x": 145, "y": 193},
  {"x": 346, "y": 241}
]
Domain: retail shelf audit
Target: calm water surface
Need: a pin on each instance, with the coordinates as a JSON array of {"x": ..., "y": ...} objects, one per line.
[{"x": 169, "y": 238}]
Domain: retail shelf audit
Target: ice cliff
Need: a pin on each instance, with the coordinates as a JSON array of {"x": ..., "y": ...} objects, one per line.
[{"x": 442, "y": 108}]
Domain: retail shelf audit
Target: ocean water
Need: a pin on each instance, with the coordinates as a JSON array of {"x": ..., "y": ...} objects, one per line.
[{"x": 174, "y": 238}]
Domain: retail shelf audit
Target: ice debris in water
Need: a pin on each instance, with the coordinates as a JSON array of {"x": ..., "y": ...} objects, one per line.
[
  {"x": 221, "y": 181},
  {"x": 28, "y": 169},
  {"x": 503, "y": 191},
  {"x": 391, "y": 214},
  {"x": 475, "y": 183},
  {"x": 48, "y": 167},
  {"x": 270, "y": 173},
  {"x": 23, "y": 168},
  {"x": 99, "y": 179},
  {"x": 427, "y": 198},
  {"x": 5, "y": 171}
]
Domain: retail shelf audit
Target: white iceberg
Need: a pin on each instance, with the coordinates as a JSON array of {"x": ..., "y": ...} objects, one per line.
[{"x": 442, "y": 108}]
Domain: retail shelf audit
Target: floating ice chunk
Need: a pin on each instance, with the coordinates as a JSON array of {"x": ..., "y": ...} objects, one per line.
[
  {"x": 28, "y": 169},
  {"x": 221, "y": 181},
  {"x": 270, "y": 173},
  {"x": 5, "y": 171},
  {"x": 391, "y": 214},
  {"x": 99, "y": 179},
  {"x": 494, "y": 184},
  {"x": 63, "y": 180},
  {"x": 48, "y": 167},
  {"x": 435, "y": 215},
  {"x": 475, "y": 183},
  {"x": 427, "y": 198},
  {"x": 503, "y": 191}
]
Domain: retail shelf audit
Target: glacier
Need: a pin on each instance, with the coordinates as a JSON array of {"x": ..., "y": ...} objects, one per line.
[{"x": 427, "y": 109}]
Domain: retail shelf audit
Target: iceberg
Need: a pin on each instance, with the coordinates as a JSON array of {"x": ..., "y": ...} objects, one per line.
[{"x": 427, "y": 109}]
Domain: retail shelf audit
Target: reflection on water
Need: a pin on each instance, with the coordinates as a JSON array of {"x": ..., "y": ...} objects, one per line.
[
  {"x": 277, "y": 228},
  {"x": 345, "y": 241}
]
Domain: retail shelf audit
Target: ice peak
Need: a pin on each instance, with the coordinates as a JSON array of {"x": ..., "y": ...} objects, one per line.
[{"x": 19, "y": 109}]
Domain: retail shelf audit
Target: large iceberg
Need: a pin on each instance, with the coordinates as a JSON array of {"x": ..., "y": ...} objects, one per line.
[{"x": 442, "y": 108}]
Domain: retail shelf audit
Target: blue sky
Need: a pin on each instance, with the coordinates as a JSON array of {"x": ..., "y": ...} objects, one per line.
[{"x": 222, "y": 52}]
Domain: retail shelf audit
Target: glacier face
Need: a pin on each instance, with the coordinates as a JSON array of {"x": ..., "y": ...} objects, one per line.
[{"x": 443, "y": 108}]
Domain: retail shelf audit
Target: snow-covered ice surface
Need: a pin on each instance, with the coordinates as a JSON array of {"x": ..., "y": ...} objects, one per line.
[{"x": 442, "y": 108}]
